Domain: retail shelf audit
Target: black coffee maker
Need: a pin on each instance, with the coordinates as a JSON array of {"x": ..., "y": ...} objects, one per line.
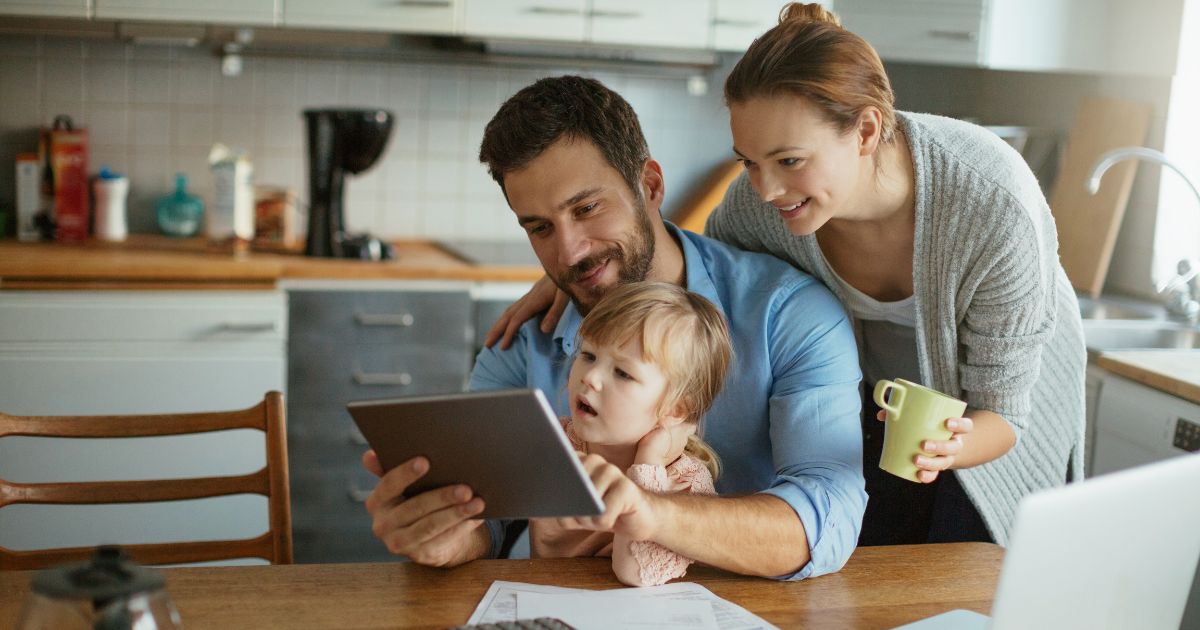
[{"x": 341, "y": 141}]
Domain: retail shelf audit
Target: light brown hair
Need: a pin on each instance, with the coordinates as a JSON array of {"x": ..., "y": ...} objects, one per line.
[
  {"x": 682, "y": 333},
  {"x": 809, "y": 54}
]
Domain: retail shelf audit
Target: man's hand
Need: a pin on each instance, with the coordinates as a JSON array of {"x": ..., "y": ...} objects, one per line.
[
  {"x": 433, "y": 528},
  {"x": 661, "y": 446},
  {"x": 628, "y": 510}
]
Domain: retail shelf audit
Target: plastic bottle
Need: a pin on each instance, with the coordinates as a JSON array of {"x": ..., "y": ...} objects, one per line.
[
  {"x": 110, "y": 190},
  {"x": 180, "y": 214}
]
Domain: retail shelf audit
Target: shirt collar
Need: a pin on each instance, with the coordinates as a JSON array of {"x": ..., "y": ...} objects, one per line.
[{"x": 695, "y": 272}]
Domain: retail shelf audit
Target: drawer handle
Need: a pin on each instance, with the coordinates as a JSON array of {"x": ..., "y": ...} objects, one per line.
[
  {"x": 358, "y": 495},
  {"x": 734, "y": 23},
  {"x": 539, "y": 10},
  {"x": 247, "y": 327},
  {"x": 396, "y": 320},
  {"x": 958, "y": 36},
  {"x": 622, "y": 15},
  {"x": 427, "y": 4},
  {"x": 382, "y": 378}
]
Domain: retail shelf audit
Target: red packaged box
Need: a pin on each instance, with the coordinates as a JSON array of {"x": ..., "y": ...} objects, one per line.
[{"x": 63, "y": 151}]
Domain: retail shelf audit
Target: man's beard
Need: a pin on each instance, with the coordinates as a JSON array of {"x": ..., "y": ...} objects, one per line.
[{"x": 635, "y": 256}]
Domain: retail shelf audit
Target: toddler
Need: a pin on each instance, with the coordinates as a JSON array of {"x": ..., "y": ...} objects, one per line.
[{"x": 650, "y": 360}]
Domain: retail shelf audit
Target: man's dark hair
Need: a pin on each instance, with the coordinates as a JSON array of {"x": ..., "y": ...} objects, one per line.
[{"x": 568, "y": 106}]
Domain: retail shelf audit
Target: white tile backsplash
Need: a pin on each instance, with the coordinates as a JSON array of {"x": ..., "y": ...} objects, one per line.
[{"x": 153, "y": 111}]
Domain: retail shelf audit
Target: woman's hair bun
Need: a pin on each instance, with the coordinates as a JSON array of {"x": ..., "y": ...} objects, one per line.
[{"x": 801, "y": 13}]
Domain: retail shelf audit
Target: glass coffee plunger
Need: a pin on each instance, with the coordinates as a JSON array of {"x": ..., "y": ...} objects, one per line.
[{"x": 109, "y": 593}]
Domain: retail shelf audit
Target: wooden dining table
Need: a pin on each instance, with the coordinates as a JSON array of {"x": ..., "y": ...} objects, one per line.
[{"x": 880, "y": 587}]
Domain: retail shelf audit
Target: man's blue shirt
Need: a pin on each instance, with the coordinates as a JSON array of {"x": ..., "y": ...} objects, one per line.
[{"x": 787, "y": 421}]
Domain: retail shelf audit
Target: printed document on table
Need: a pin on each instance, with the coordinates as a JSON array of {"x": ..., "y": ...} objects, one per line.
[
  {"x": 500, "y": 602},
  {"x": 591, "y": 611}
]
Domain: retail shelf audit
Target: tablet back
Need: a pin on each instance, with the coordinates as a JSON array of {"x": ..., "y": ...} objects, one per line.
[{"x": 507, "y": 445}]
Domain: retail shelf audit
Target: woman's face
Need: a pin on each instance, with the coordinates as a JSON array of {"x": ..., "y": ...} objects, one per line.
[{"x": 797, "y": 161}]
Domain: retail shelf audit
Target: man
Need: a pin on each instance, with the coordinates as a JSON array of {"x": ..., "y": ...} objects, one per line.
[{"x": 573, "y": 164}]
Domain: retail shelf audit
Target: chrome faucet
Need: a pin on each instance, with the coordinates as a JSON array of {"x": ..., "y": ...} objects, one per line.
[{"x": 1182, "y": 291}]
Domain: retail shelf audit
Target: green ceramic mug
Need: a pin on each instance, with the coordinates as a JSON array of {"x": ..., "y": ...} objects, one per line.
[{"x": 914, "y": 414}]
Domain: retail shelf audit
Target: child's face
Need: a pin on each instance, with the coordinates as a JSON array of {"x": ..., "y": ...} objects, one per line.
[{"x": 615, "y": 395}]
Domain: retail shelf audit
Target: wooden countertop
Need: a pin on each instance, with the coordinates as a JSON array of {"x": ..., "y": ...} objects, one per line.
[
  {"x": 1176, "y": 372},
  {"x": 880, "y": 587},
  {"x": 150, "y": 262}
]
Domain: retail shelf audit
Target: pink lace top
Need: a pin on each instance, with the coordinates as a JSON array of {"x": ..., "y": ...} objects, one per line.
[{"x": 655, "y": 564}]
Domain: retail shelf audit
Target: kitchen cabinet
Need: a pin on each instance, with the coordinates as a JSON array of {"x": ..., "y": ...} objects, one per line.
[
  {"x": 239, "y": 12},
  {"x": 1136, "y": 424},
  {"x": 355, "y": 341},
  {"x": 121, "y": 352},
  {"x": 549, "y": 20},
  {"x": 663, "y": 23},
  {"x": 666, "y": 23},
  {"x": 1093, "y": 383},
  {"x": 736, "y": 23},
  {"x": 1101, "y": 36},
  {"x": 432, "y": 17},
  {"x": 47, "y": 8}
]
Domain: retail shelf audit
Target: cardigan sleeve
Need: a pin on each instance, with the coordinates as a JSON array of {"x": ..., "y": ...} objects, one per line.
[{"x": 1010, "y": 317}]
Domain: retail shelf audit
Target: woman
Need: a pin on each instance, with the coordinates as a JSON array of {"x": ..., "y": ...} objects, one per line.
[{"x": 936, "y": 237}]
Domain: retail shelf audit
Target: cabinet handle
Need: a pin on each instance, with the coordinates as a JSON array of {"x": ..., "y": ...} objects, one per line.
[
  {"x": 427, "y": 4},
  {"x": 398, "y": 320},
  {"x": 382, "y": 378},
  {"x": 734, "y": 23},
  {"x": 246, "y": 327},
  {"x": 623, "y": 15},
  {"x": 958, "y": 36},
  {"x": 358, "y": 495},
  {"x": 540, "y": 10}
]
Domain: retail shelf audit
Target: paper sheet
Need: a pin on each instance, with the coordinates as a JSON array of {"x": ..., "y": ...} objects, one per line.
[
  {"x": 500, "y": 602},
  {"x": 589, "y": 611}
]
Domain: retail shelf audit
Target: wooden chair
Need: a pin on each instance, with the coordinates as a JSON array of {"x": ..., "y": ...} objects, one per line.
[{"x": 271, "y": 481}]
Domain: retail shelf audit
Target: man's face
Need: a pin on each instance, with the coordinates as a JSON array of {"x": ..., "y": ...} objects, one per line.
[{"x": 587, "y": 227}]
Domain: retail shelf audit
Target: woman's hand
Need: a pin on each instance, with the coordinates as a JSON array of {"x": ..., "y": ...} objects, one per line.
[
  {"x": 544, "y": 293},
  {"x": 663, "y": 445},
  {"x": 939, "y": 454}
]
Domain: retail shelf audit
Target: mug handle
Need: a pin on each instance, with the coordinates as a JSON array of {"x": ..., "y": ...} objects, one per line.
[{"x": 898, "y": 393}]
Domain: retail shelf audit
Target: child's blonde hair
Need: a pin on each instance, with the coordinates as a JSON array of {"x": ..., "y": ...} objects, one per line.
[{"x": 682, "y": 333}]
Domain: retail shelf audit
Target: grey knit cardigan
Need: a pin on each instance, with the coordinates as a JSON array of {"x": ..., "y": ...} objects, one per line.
[{"x": 997, "y": 320}]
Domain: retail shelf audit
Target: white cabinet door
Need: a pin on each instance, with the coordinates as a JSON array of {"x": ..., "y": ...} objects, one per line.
[
  {"x": 737, "y": 22},
  {"x": 554, "y": 20},
  {"x": 1137, "y": 425},
  {"x": 84, "y": 353},
  {"x": 435, "y": 17},
  {"x": 52, "y": 8},
  {"x": 244, "y": 12},
  {"x": 927, "y": 31},
  {"x": 667, "y": 23}
]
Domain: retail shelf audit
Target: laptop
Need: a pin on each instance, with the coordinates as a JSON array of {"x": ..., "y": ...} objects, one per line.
[{"x": 1118, "y": 551}]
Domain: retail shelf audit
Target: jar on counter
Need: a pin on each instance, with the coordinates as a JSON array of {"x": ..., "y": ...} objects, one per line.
[{"x": 180, "y": 214}]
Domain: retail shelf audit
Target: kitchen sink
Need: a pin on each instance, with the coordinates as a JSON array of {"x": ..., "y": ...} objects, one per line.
[
  {"x": 1106, "y": 335},
  {"x": 1119, "y": 308}
]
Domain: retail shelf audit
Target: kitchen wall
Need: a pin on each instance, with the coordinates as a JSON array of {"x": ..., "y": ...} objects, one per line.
[{"x": 154, "y": 111}]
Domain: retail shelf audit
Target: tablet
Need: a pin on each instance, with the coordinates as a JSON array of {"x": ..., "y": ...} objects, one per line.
[{"x": 507, "y": 445}]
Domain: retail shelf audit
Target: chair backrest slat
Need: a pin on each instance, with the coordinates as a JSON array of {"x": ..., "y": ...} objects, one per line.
[
  {"x": 94, "y": 492},
  {"x": 271, "y": 481}
]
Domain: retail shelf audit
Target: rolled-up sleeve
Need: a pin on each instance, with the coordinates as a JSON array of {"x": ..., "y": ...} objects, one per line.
[{"x": 815, "y": 427}]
